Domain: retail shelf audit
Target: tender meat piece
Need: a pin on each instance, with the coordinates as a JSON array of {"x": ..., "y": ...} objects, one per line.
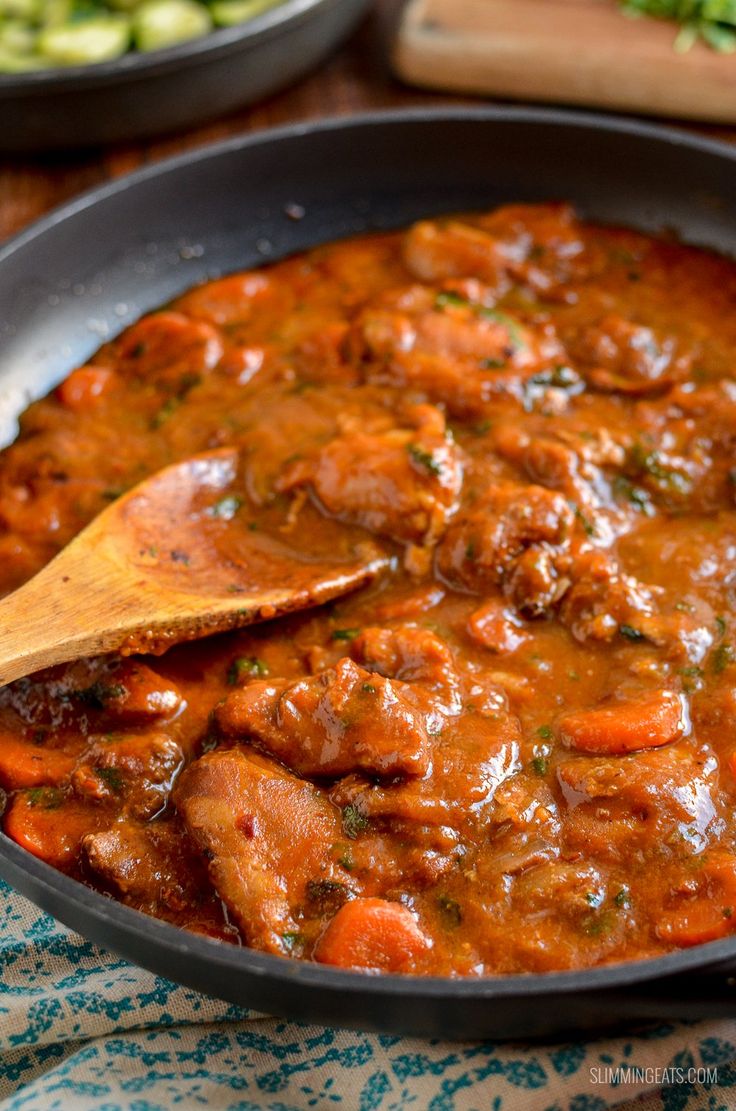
[
  {"x": 450, "y": 346},
  {"x": 496, "y": 627},
  {"x": 512, "y": 537},
  {"x": 622, "y": 356},
  {"x": 344, "y": 719},
  {"x": 535, "y": 245},
  {"x": 128, "y": 694},
  {"x": 152, "y": 867},
  {"x": 603, "y": 600},
  {"x": 398, "y": 482},
  {"x": 137, "y": 769},
  {"x": 473, "y": 755},
  {"x": 560, "y": 465},
  {"x": 659, "y": 801},
  {"x": 525, "y": 825},
  {"x": 266, "y": 834},
  {"x": 409, "y": 653},
  {"x": 168, "y": 349}
]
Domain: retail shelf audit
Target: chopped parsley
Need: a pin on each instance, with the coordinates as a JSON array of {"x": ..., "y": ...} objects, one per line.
[
  {"x": 546, "y": 732},
  {"x": 326, "y": 896},
  {"x": 246, "y": 666},
  {"x": 99, "y": 694},
  {"x": 47, "y": 798},
  {"x": 540, "y": 765},
  {"x": 631, "y": 633},
  {"x": 345, "y": 634},
  {"x": 353, "y": 821},
  {"x": 424, "y": 459},
  {"x": 450, "y": 910},
  {"x": 226, "y": 508},
  {"x": 111, "y": 777},
  {"x": 722, "y": 657}
]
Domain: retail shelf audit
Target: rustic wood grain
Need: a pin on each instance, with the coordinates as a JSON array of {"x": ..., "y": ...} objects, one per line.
[
  {"x": 356, "y": 79},
  {"x": 581, "y": 52}
]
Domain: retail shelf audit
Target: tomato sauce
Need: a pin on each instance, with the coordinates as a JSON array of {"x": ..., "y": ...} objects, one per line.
[{"x": 515, "y": 750}]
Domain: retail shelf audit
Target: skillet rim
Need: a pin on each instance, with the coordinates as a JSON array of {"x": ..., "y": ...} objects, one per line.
[{"x": 180, "y": 943}]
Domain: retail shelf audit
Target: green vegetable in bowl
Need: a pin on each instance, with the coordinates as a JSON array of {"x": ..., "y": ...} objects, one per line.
[
  {"x": 40, "y": 34},
  {"x": 713, "y": 21},
  {"x": 161, "y": 23}
]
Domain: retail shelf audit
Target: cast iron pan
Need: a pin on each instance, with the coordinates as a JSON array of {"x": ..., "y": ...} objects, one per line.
[
  {"x": 148, "y": 94},
  {"x": 90, "y": 268}
]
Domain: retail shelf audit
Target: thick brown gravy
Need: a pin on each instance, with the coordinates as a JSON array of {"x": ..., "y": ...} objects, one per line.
[{"x": 515, "y": 751}]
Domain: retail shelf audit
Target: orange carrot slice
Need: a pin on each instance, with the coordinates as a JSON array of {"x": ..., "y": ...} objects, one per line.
[
  {"x": 374, "y": 935},
  {"x": 653, "y": 720}
]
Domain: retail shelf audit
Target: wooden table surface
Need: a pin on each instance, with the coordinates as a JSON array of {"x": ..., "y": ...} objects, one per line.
[{"x": 356, "y": 79}]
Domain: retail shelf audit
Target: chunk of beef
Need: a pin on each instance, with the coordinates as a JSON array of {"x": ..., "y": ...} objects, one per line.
[
  {"x": 168, "y": 349},
  {"x": 622, "y": 356},
  {"x": 266, "y": 834},
  {"x": 603, "y": 600},
  {"x": 473, "y": 755},
  {"x": 151, "y": 867},
  {"x": 137, "y": 770},
  {"x": 450, "y": 346},
  {"x": 534, "y": 245},
  {"x": 342, "y": 720},
  {"x": 398, "y": 482},
  {"x": 513, "y": 537},
  {"x": 659, "y": 801}
]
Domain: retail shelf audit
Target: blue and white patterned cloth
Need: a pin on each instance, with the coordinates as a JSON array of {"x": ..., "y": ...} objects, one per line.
[{"x": 81, "y": 1030}]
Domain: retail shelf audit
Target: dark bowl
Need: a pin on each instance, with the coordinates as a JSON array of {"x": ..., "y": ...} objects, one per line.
[
  {"x": 88, "y": 269},
  {"x": 140, "y": 95}
]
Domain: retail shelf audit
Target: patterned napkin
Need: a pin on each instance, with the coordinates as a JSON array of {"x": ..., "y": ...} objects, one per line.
[{"x": 81, "y": 1029}]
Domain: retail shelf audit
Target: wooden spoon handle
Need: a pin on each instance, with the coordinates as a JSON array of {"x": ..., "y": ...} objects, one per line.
[{"x": 54, "y": 618}]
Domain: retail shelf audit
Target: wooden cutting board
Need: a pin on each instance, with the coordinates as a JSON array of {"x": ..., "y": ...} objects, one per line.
[{"x": 564, "y": 51}]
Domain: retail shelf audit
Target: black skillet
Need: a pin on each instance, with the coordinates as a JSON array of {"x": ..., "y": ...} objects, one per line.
[
  {"x": 88, "y": 269},
  {"x": 166, "y": 90}
]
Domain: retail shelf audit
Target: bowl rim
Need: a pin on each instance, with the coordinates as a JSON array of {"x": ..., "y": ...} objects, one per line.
[
  {"x": 177, "y": 942},
  {"x": 218, "y": 43}
]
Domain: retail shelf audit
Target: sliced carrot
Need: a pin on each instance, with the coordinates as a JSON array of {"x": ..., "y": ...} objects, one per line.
[
  {"x": 84, "y": 387},
  {"x": 374, "y": 935},
  {"x": 23, "y": 764},
  {"x": 712, "y": 913},
  {"x": 50, "y": 826},
  {"x": 653, "y": 720}
]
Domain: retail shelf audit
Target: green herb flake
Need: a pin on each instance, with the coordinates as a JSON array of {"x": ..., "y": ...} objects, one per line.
[
  {"x": 111, "y": 777},
  {"x": 623, "y": 898},
  {"x": 353, "y": 821},
  {"x": 292, "y": 941},
  {"x": 345, "y": 634},
  {"x": 226, "y": 508},
  {"x": 492, "y": 364},
  {"x": 424, "y": 459},
  {"x": 723, "y": 656},
  {"x": 368, "y": 688},
  {"x": 448, "y": 299},
  {"x": 45, "y": 798},
  {"x": 246, "y": 666},
  {"x": 546, "y": 732},
  {"x": 631, "y": 633},
  {"x": 99, "y": 694},
  {"x": 450, "y": 910},
  {"x": 326, "y": 896},
  {"x": 540, "y": 765}
]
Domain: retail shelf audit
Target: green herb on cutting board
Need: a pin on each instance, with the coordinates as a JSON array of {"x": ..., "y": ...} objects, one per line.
[{"x": 713, "y": 21}]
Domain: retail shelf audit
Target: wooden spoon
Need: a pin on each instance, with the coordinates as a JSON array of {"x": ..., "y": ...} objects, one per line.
[{"x": 168, "y": 562}]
